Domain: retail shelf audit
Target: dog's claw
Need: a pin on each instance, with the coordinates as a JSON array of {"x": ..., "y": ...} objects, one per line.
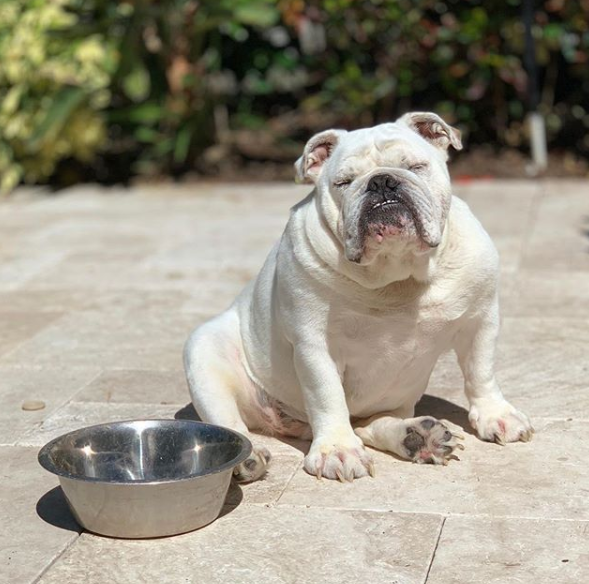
[
  {"x": 340, "y": 476},
  {"x": 460, "y": 446},
  {"x": 499, "y": 440},
  {"x": 371, "y": 470},
  {"x": 318, "y": 473}
]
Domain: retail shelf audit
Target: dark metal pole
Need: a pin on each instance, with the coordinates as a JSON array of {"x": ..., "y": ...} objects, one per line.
[
  {"x": 535, "y": 119},
  {"x": 530, "y": 56}
]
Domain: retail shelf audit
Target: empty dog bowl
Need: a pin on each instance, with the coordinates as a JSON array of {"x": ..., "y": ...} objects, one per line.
[{"x": 145, "y": 478}]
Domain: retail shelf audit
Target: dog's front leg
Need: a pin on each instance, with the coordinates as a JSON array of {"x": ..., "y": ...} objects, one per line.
[
  {"x": 336, "y": 452},
  {"x": 491, "y": 415}
]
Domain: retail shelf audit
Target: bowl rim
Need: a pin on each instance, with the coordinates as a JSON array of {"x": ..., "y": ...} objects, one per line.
[{"x": 44, "y": 458}]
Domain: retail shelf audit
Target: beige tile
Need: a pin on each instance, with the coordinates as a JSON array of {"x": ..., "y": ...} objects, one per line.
[
  {"x": 542, "y": 365},
  {"x": 505, "y": 213},
  {"x": 549, "y": 293},
  {"x": 255, "y": 544},
  {"x": 131, "y": 340},
  {"x": 558, "y": 239},
  {"x": 136, "y": 270},
  {"x": 42, "y": 301},
  {"x": 210, "y": 287},
  {"x": 21, "y": 266},
  {"x": 287, "y": 458},
  {"x": 216, "y": 296},
  {"x": 77, "y": 415},
  {"x": 54, "y": 387},
  {"x": 489, "y": 190},
  {"x": 17, "y": 327},
  {"x": 545, "y": 478},
  {"x": 137, "y": 386},
  {"x": 544, "y": 328},
  {"x": 106, "y": 301},
  {"x": 475, "y": 550},
  {"x": 509, "y": 249},
  {"x": 104, "y": 233},
  {"x": 35, "y": 524}
]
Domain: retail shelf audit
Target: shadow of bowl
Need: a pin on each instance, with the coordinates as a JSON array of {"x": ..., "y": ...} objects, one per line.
[{"x": 52, "y": 508}]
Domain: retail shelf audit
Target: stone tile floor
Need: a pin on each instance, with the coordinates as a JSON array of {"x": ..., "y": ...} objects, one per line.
[{"x": 99, "y": 289}]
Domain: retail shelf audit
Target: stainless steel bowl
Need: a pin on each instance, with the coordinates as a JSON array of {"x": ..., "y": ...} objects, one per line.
[{"x": 145, "y": 478}]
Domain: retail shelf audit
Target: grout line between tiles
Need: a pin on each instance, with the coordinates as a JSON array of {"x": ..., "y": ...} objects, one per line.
[
  {"x": 446, "y": 514},
  {"x": 67, "y": 546},
  {"x": 294, "y": 472},
  {"x": 7, "y": 354},
  {"x": 433, "y": 557}
]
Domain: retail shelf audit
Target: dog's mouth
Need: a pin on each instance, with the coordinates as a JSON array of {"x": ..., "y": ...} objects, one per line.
[
  {"x": 392, "y": 208},
  {"x": 387, "y": 207},
  {"x": 386, "y": 203},
  {"x": 385, "y": 214}
]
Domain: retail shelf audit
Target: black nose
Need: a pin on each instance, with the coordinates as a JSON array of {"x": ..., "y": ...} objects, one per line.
[{"x": 383, "y": 182}]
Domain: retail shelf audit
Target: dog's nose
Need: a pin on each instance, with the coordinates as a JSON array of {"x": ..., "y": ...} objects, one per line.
[{"x": 382, "y": 182}]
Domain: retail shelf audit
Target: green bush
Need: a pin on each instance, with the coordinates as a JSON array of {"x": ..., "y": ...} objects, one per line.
[
  {"x": 162, "y": 87},
  {"x": 54, "y": 85},
  {"x": 173, "y": 71}
]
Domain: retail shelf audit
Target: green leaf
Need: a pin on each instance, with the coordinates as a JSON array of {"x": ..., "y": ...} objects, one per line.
[
  {"x": 64, "y": 103},
  {"x": 262, "y": 15},
  {"x": 137, "y": 84},
  {"x": 163, "y": 147},
  {"x": 182, "y": 145},
  {"x": 147, "y": 134},
  {"x": 147, "y": 113}
]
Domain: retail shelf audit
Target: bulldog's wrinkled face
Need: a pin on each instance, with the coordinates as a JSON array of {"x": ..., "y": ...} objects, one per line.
[{"x": 389, "y": 184}]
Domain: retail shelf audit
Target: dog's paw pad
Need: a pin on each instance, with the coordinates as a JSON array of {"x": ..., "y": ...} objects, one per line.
[
  {"x": 253, "y": 467},
  {"x": 431, "y": 441}
]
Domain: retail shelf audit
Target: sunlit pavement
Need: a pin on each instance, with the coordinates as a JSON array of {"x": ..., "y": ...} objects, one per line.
[{"x": 98, "y": 291}]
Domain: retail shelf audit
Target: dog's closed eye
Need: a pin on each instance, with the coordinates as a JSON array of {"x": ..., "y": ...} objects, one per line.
[
  {"x": 419, "y": 167},
  {"x": 340, "y": 183}
]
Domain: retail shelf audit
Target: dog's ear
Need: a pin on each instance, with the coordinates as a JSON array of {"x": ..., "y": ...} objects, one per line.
[
  {"x": 317, "y": 150},
  {"x": 433, "y": 128}
]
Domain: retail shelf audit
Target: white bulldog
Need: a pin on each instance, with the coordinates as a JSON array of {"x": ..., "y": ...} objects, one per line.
[{"x": 379, "y": 270}]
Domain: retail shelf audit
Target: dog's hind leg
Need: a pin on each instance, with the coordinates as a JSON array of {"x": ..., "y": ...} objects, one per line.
[{"x": 219, "y": 387}]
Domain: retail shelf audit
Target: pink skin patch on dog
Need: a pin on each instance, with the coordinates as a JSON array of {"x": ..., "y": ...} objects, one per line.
[
  {"x": 380, "y": 231},
  {"x": 502, "y": 426}
]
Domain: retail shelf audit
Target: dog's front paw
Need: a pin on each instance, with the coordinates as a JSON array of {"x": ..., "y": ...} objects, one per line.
[
  {"x": 498, "y": 421},
  {"x": 431, "y": 441},
  {"x": 336, "y": 461},
  {"x": 254, "y": 466}
]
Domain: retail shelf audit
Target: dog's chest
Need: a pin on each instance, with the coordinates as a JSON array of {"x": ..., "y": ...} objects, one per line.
[
  {"x": 384, "y": 354},
  {"x": 391, "y": 337}
]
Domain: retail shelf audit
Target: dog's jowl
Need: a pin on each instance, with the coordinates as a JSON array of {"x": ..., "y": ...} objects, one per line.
[{"x": 379, "y": 271}]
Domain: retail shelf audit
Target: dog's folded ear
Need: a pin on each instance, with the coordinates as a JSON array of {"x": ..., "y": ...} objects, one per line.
[
  {"x": 433, "y": 128},
  {"x": 317, "y": 150}
]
